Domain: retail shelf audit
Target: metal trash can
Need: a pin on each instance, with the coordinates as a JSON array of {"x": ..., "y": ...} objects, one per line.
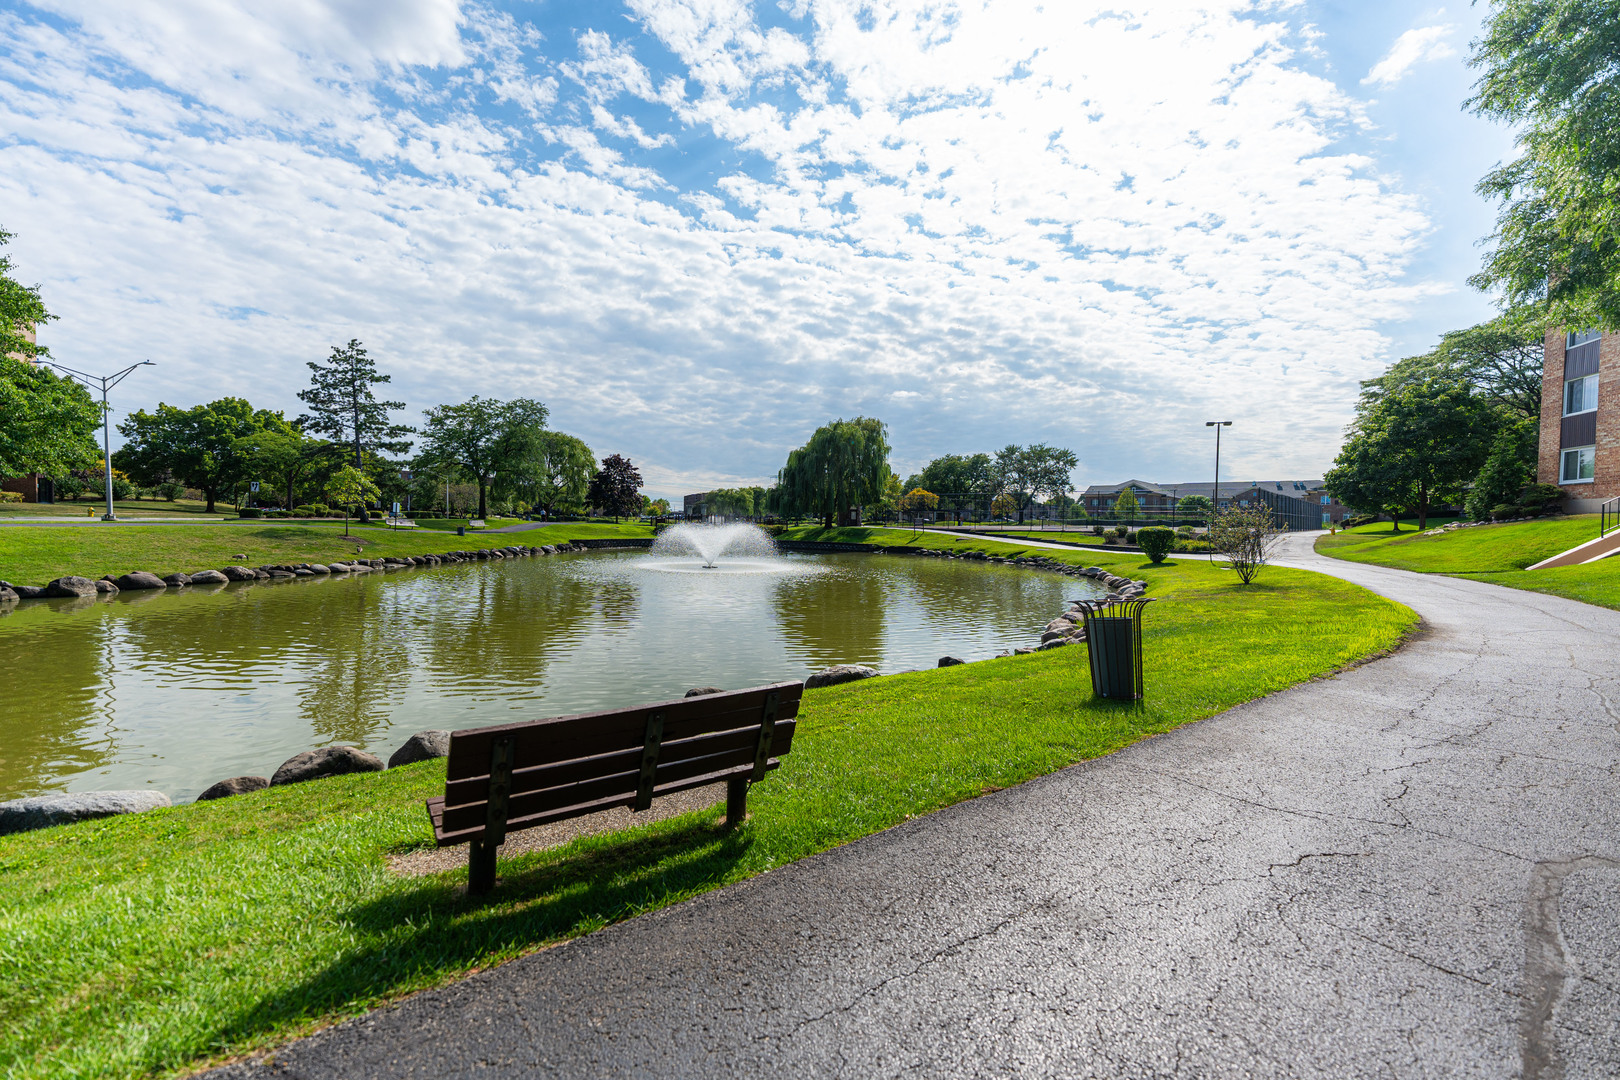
[
  {"x": 1114, "y": 640},
  {"x": 461, "y": 530}
]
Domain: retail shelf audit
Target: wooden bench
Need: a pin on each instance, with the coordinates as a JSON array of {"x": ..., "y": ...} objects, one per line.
[{"x": 510, "y": 777}]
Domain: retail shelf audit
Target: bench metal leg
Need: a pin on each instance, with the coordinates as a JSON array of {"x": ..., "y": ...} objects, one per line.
[
  {"x": 736, "y": 801},
  {"x": 481, "y": 868}
]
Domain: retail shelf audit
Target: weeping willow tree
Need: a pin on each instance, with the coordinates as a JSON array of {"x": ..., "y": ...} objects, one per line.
[{"x": 843, "y": 466}]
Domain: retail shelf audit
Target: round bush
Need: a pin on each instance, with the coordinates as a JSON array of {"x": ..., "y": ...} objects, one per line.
[{"x": 1156, "y": 541}]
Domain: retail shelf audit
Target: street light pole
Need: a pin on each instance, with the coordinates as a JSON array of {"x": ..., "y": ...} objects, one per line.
[
  {"x": 1215, "y": 495},
  {"x": 103, "y": 383}
]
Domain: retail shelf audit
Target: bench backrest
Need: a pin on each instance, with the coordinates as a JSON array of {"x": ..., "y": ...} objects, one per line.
[{"x": 512, "y": 776}]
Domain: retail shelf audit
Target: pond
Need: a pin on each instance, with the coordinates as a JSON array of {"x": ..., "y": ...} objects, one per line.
[{"x": 178, "y": 689}]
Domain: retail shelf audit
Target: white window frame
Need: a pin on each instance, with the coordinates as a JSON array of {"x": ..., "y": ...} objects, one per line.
[
  {"x": 1590, "y": 455},
  {"x": 1576, "y": 338},
  {"x": 1588, "y": 392}
]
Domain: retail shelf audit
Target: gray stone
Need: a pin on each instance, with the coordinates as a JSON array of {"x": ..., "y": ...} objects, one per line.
[
  {"x": 208, "y": 577},
  {"x": 1023, "y": 650},
  {"x": 28, "y": 592},
  {"x": 1053, "y": 635},
  {"x": 140, "y": 579},
  {"x": 281, "y": 574},
  {"x": 317, "y": 568},
  {"x": 1055, "y": 643},
  {"x": 338, "y": 568},
  {"x": 8, "y": 595},
  {"x": 951, "y": 661},
  {"x": 105, "y": 586},
  {"x": 71, "y": 586},
  {"x": 703, "y": 691},
  {"x": 236, "y": 785},
  {"x": 301, "y": 572},
  {"x": 839, "y": 673},
  {"x": 43, "y": 811},
  {"x": 238, "y": 573},
  {"x": 177, "y": 579},
  {"x": 327, "y": 761},
  {"x": 423, "y": 746}
]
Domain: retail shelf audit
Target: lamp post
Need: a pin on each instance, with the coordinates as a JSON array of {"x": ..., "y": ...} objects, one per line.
[
  {"x": 1215, "y": 495},
  {"x": 103, "y": 383}
]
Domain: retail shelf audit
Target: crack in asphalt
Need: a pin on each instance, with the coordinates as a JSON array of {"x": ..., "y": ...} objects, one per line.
[{"x": 1546, "y": 963}]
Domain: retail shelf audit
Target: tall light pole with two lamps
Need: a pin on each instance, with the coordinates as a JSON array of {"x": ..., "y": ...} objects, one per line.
[{"x": 103, "y": 383}]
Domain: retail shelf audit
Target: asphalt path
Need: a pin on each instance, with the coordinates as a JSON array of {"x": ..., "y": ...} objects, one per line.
[{"x": 1409, "y": 870}]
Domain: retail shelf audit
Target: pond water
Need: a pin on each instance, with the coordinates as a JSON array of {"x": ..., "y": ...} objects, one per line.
[{"x": 178, "y": 689}]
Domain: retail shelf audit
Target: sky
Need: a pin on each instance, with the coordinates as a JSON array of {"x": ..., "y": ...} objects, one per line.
[{"x": 699, "y": 229}]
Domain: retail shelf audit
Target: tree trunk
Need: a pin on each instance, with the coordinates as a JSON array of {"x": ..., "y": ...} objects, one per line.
[
  {"x": 208, "y": 493},
  {"x": 481, "y": 505},
  {"x": 1423, "y": 508}
]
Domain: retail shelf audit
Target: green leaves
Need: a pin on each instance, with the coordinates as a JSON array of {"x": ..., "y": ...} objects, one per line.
[
  {"x": 197, "y": 446},
  {"x": 844, "y": 465},
  {"x": 343, "y": 407},
  {"x": 483, "y": 437},
  {"x": 1552, "y": 67},
  {"x": 47, "y": 423}
]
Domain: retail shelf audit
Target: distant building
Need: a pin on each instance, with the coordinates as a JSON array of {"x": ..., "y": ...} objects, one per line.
[
  {"x": 692, "y": 506},
  {"x": 1299, "y": 501},
  {"x": 1580, "y": 426}
]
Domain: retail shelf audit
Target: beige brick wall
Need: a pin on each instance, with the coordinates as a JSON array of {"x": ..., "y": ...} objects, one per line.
[{"x": 1552, "y": 405}]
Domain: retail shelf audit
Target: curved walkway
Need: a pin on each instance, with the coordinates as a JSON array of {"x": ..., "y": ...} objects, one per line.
[{"x": 1410, "y": 870}]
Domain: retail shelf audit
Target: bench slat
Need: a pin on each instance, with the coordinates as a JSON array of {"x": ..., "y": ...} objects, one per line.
[
  {"x": 449, "y": 839},
  {"x": 622, "y": 784},
  {"x": 568, "y": 737},
  {"x": 475, "y": 788}
]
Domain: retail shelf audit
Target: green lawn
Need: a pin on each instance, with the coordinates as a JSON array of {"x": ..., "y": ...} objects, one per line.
[
  {"x": 152, "y": 944},
  {"x": 33, "y": 556},
  {"x": 1495, "y": 553},
  {"x": 936, "y": 541},
  {"x": 160, "y": 508},
  {"x": 1071, "y": 536}
]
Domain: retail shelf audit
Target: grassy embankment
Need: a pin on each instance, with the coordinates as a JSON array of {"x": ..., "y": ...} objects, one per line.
[
  {"x": 153, "y": 943},
  {"x": 1493, "y": 553},
  {"x": 33, "y": 556}
]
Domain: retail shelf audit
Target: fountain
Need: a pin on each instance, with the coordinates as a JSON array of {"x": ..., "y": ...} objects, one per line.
[{"x": 709, "y": 542}]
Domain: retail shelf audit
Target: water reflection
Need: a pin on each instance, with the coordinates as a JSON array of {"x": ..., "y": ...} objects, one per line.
[{"x": 179, "y": 689}]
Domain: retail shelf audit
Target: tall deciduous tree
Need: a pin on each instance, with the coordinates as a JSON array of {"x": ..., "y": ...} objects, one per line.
[
  {"x": 1126, "y": 505},
  {"x": 1552, "y": 69},
  {"x": 47, "y": 423},
  {"x": 552, "y": 472},
  {"x": 284, "y": 457},
  {"x": 197, "y": 446},
  {"x": 1416, "y": 447},
  {"x": 616, "y": 487},
  {"x": 1501, "y": 359},
  {"x": 962, "y": 480},
  {"x": 845, "y": 465},
  {"x": 482, "y": 437},
  {"x": 343, "y": 407},
  {"x": 1028, "y": 471}
]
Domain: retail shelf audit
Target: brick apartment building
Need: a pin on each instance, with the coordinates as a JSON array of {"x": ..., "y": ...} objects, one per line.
[
  {"x": 1580, "y": 426},
  {"x": 1157, "y": 499}
]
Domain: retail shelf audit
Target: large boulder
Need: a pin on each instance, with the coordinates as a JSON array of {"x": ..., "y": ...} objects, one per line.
[
  {"x": 951, "y": 661},
  {"x": 208, "y": 577},
  {"x": 238, "y": 573},
  {"x": 28, "y": 592},
  {"x": 8, "y": 595},
  {"x": 317, "y": 569},
  {"x": 140, "y": 579},
  {"x": 236, "y": 785},
  {"x": 177, "y": 579},
  {"x": 43, "y": 811},
  {"x": 71, "y": 586},
  {"x": 704, "y": 691},
  {"x": 839, "y": 673},
  {"x": 105, "y": 586},
  {"x": 423, "y": 746},
  {"x": 327, "y": 761}
]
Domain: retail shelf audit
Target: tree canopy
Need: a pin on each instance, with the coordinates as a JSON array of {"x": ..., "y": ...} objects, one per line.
[
  {"x": 482, "y": 437},
  {"x": 616, "y": 487},
  {"x": 845, "y": 465},
  {"x": 283, "y": 457},
  {"x": 551, "y": 471},
  {"x": 343, "y": 407},
  {"x": 22, "y": 311},
  {"x": 1552, "y": 69},
  {"x": 47, "y": 422},
  {"x": 1500, "y": 359},
  {"x": 349, "y": 488},
  {"x": 1028, "y": 472},
  {"x": 1416, "y": 446},
  {"x": 197, "y": 446}
]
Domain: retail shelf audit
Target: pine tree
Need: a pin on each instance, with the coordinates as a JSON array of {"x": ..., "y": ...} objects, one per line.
[{"x": 343, "y": 408}]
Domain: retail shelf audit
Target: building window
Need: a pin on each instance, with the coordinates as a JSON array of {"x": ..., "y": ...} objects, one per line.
[
  {"x": 1580, "y": 395},
  {"x": 1576, "y": 338},
  {"x": 1578, "y": 465}
]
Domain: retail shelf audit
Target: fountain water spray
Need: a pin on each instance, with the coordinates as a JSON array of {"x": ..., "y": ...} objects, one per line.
[{"x": 709, "y": 542}]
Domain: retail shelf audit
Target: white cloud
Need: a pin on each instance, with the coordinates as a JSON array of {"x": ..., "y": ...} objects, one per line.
[
  {"x": 976, "y": 219},
  {"x": 1412, "y": 48}
]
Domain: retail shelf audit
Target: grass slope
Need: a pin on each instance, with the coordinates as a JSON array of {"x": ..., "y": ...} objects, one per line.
[
  {"x": 33, "y": 556},
  {"x": 1494, "y": 553},
  {"x": 154, "y": 943}
]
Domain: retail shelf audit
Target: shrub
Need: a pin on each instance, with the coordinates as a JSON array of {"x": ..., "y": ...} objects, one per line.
[
  {"x": 122, "y": 488},
  {"x": 1097, "y": 530},
  {"x": 171, "y": 491},
  {"x": 1359, "y": 520},
  {"x": 10, "y": 496},
  {"x": 1185, "y": 531},
  {"x": 249, "y": 512},
  {"x": 1506, "y": 512},
  {"x": 1192, "y": 547},
  {"x": 1156, "y": 542},
  {"x": 1122, "y": 531},
  {"x": 1247, "y": 536},
  {"x": 1542, "y": 499}
]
